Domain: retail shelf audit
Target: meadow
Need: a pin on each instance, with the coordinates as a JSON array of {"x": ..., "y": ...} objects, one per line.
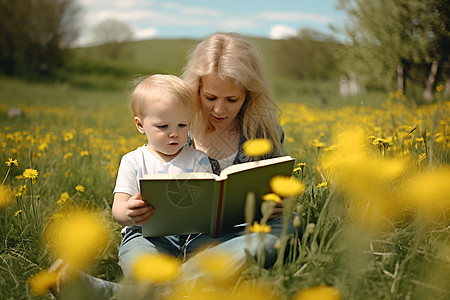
[{"x": 374, "y": 211}]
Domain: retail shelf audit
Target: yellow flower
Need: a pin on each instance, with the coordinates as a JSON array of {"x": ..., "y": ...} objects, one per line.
[
  {"x": 256, "y": 227},
  {"x": 30, "y": 173},
  {"x": 12, "y": 162},
  {"x": 68, "y": 136},
  {"x": 63, "y": 198},
  {"x": 77, "y": 237},
  {"x": 219, "y": 266},
  {"x": 300, "y": 167},
  {"x": 17, "y": 213},
  {"x": 68, "y": 155},
  {"x": 155, "y": 268},
  {"x": 21, "y": 190},
  {"x": 257, "y": 147},
  {"x": 319, "y": 293},
  {"x": 440, "y": 88},
  {"x": 323, "y": 184},
  {"x": 286, "y": 186},
  {"x": 43, "y": 147},
  {"x": 80, "y": 188},
  {"x": 271, "y": 197},
  {"x": 41, "y": 282},
  {"x": 84, "y": 153},
  {"x": 6, "y": 196}
]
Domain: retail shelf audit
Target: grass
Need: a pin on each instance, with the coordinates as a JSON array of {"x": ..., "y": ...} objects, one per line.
[{"x": 383, "y": 252}]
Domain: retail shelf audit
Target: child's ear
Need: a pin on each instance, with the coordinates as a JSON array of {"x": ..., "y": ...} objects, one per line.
[{"x": 139, "y": 124}]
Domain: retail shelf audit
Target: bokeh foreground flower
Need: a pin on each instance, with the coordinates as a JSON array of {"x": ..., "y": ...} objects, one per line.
[
  {"x": 155, "y": 268},
  {"x": 322, "y": 292},
  {"x": 78, "y": 237},
  {"x": 257, "y": 147},
  {"x": 286, "y": 186},
  {"x": 41, "y": 282},
  {"x": 6, "y": 196}
]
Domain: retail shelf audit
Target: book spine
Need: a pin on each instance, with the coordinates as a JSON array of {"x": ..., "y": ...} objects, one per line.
[{"x": 219, "y": 210}]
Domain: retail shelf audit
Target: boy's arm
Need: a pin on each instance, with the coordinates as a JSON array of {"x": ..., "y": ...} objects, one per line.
[{"x": 131, "y": 210}]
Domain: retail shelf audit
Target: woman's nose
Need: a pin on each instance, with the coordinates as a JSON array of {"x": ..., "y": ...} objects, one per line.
[{"x": 219, "y": 108}]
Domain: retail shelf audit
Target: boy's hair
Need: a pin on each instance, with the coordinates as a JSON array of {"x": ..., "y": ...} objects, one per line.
[
  {"x": 158, "y": 88},
  {"x": 230, "y": 55}
]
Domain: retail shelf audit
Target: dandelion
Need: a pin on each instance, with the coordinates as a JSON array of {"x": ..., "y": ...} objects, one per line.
[
  {"x": 68, "y": 155},
  {"x": 256, "y": 227},
  {"x": 11, "y": 162},
  {"x": 440, "y": 88},
  {"x": 271, "y": 197},
  {"x": 300, "y": 167},
  {"x": 322, "y": 292},
  {"x": 257, "y": 147},
  {"x": 286, "y": 186},
  {"x": 84, "y": 153},
  {"x": 77, "y": 237},
  {"x": 6, "y": 196},
  {"x": 41, "y": 282},
  {"x": 21, "y": 190},
  {"x": 219, "y": 266},
  {"x": 30, "y": 174},
  {"x": 79, "y": 188},
  {"x": 63, "y": 198},
  {"x": 68, "y": 136},
  {"x": 17, "y": 213},
  {"x": 155, "y": 268},
  {"x": 322, "y": 184},
  {"x": 43, "y": 147}
]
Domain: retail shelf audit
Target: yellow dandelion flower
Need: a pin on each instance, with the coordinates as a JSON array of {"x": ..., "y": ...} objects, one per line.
[
  {"x": 257, "y": 147},
  {"x": 323, "y": 184},
  {"x": 286, "y": 186},
  {"x": 300, "y": 167},
  {"x": 63, "y": 198},
  {"x": 80, "y": 188},
  {"x": 17, "y": 213},
  {"x": 30, "y": 173},
  {"x": 322, "y": 292},
  {"x": 68, "y": 136},
  {"x": 41, "y": 282},
  {"x": 68, "y": 155},
  {"x": 219, "y": 266},
  {"x": 440, "y": 88},
  {"x": 84, "y": 153},
  {"x": 43, "y": 147},
  {"x": 155, "y": 268},
  {"x": 77, "y": 237},
  {"x": 318, "y": 144},
  {"x": 271, "y": 197},
  {"x": 256, "y": 227},
  {"x": 11, "y": 162},
  {"x": 6, "y": 196},
  {"x": 21, "y": 190}
]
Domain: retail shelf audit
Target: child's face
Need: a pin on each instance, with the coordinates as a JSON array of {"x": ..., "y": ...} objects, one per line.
[{"x": 166, "y": 126}]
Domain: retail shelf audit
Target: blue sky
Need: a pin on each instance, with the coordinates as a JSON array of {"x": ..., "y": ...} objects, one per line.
[{"x": 198, "y": 18}]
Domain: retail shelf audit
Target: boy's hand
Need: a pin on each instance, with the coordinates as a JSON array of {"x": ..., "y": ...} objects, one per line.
[
  {"x": 138, "y": 211},
  {"x": 277, "y": 210}
]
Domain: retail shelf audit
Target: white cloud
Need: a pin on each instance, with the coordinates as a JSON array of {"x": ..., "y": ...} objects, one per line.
[
  {"x": 146, "y": 33},
  {"x": 281, "y": 31},
  {"x": 281, "y": 16},
  {"x": 193, "y": 10},
  {"x": 237, "y": 24}
]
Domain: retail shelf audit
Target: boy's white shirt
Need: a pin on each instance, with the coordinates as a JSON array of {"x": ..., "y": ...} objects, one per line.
[{"x": 135, "y": 164}]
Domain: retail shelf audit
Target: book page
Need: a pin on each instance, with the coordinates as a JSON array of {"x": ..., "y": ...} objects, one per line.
[{"x": 251, "y": 165}]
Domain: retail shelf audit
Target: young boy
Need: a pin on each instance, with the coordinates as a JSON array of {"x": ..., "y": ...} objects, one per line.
[{"x": 163, "y": 111}]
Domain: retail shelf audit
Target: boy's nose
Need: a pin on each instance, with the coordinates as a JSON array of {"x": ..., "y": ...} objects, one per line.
[{"x": 173, "y": 134}]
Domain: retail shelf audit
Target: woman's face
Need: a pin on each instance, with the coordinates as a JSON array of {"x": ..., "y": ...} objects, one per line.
[{"x": 221, "y": 100}]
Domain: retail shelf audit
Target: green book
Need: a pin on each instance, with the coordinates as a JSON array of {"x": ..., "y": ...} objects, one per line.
[{"x": 204, "y": 202}]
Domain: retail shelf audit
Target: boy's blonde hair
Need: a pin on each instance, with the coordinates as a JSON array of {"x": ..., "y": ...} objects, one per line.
[
  {"x": 156, "y": 88},
  {"x": 229, "y": 55}
]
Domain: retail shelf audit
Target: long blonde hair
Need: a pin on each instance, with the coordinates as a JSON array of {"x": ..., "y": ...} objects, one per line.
[{"x": 230, "y": 55}]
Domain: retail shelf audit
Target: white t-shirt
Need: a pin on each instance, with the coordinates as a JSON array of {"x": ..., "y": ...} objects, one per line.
[{"x": 137, "y": 163}]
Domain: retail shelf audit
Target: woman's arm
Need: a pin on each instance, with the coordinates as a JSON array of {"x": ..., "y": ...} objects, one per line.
[{"x": 131, "y": 210}]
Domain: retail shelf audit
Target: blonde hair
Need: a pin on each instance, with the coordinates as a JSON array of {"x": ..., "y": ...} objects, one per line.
[
  {"x": 230, "y": 55},
  {"x": 156, "y": 88}
]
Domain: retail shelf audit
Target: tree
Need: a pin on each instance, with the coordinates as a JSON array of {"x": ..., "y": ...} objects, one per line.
[
  {"x": 399, "y": 38},
  {"x": 111, "y": 34},
  {"x": 34, "y": 34}
]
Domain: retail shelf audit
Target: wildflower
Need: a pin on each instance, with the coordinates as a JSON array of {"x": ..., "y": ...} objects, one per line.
[
  {"x": 322, "y": 292},
  {"x": 77, "y": 237},
  {"x": 219, "y": 266},
  {"x": 41, "y": 282},
  {"x": 286, "y": 186},
  {"x": 68, "y": 155},
  {"x": 155, "y": 268},
  {"x": 323, "y": 184},
  {"x": 257, "y": 147},
  {"x": 84, "y": 153},
  {"x": 6, "y": 196},
  {"x": 43, "y": 147},
  {"x": 80, "y": 188},
  {"x": 12, "y": 162},
  {"x": 30, "y": 173},
  {"x": 21, "y": 190},
  {"x": 271, "y": 197},
  {"x": 300, "y": 167},
  {"x": 17, "y": 213},
  {"x": 68, "y": 136},
  {"x": 256, "y": 227},
  {"x": 63, "y": 198},
  {"x": 318, "y": 144},
  {"x": 440, "y": 88}
]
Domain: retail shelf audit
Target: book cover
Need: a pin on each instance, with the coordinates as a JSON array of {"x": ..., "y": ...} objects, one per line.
[{"x": 204, "y": 202}]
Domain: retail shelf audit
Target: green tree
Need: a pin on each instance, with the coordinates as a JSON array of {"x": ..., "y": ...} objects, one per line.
[
  {"x": 110, "y": 35},
  {"x": 398, "y": 38},
  {"x": 34, "y": 34}
]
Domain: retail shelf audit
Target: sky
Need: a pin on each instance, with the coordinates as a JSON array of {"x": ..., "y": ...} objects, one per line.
[{"x": 170, "y": 19}]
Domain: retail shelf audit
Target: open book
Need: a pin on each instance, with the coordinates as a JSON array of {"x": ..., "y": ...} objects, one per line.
[{"x": 204, "y": 202}]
